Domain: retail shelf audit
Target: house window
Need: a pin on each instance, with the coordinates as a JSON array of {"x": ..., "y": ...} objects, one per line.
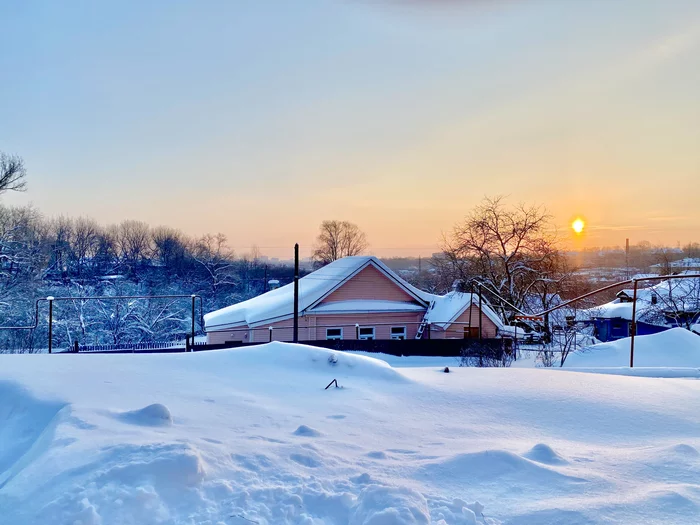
[
  {"x": 398, "y": 332},
  {"x": 334, "y": 334},
  {"x": 367, "y": 332},
  {"x": 471, "y": 332}
]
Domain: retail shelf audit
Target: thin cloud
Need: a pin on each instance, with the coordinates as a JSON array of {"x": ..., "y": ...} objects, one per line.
[
  {"x": 666, "y": 49},
  {"x": 668, "y": 218}
]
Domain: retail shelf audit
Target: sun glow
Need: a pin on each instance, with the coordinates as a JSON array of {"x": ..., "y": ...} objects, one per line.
[{"x": 578, "y": 225}]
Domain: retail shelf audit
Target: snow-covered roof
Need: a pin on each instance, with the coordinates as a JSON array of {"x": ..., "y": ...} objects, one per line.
[
  {"x": 688, "y": 262},
  {"x": 612, "y": 310},
  {"x": 277, "y": 305},
  {"x": 673, "y": 294},
  {"x": 444, "y": 309}
]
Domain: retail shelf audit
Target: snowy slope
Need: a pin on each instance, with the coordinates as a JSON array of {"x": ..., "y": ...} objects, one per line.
[
  {"x": 676, "y": 347},
  {"x": 250, "y": 436}
]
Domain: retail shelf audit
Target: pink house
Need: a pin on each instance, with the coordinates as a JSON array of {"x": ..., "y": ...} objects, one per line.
[{"x": 353, "y": 297}]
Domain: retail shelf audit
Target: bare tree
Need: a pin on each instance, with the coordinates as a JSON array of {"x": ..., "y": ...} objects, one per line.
[
  {"x": 676, "y": 301},
  {"x": 86, "y": 241},
  {"x": 216, "y": 258},
  {"x": 61, "y": 232},
  {"x": 338, "y": 239},
  {"x": 513, "y": 250},
  {"x": 566, "y": 338},
  {"x": 169, "y": 247},
  {"x": 12, "y": 173},
  {"x": 133, "y": 241}
]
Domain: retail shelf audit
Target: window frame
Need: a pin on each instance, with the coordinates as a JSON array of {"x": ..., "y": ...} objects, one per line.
[
  {"x": 398, "y": 337},
  {"x": 366, "y": 337},
  {"x": 334, "y": 338}
]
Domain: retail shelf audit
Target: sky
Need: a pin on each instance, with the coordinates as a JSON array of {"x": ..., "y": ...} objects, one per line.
[{"x": 260, "y": 119}]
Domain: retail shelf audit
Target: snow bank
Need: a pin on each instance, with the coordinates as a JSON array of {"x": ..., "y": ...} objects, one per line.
[
  {"x": 673, "y": 348},
  {"x": 250, "y": 436},
  {"x": 285, "y": 359}
]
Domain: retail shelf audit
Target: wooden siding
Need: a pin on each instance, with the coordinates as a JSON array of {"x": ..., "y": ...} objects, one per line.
[
  {"x": 313, "y": 328},
  {"x": 225, "y": 336},
  {"x": 456, "y": 331},
  {"x": 382, "y": 323},
  {"x": 370, "y": 284}
]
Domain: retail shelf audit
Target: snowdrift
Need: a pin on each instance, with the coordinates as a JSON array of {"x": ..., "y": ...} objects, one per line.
[
  {"x": 674, "y": 348},
  {"x": 251, "y": 435}
]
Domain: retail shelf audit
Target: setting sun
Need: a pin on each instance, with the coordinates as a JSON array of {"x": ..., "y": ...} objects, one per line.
[{"x": 578, "y": 225}]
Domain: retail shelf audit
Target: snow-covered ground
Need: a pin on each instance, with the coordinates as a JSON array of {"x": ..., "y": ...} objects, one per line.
[
  {"x": 250, "y": 436},
  {"x": 674, "y": 348}
]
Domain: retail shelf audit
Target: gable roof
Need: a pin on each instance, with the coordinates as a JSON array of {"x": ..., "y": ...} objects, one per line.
[
  {"x": 444, "y": 309},
  {"x": 277, "y": 305}
]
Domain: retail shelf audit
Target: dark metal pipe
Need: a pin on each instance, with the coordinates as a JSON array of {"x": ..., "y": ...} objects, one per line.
[{"x": 296, "y": 294}]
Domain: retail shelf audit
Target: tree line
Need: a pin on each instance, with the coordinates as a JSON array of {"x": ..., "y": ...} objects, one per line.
[{"x": 78, "y": 257}]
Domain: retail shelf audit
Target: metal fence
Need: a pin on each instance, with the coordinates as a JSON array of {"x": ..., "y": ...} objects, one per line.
[
  {"x": 492, "y": 348},
  {"x": 128, "y": 347}
]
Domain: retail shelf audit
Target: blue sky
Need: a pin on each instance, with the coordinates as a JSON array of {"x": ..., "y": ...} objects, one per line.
[{"x": 261, "y": 118}]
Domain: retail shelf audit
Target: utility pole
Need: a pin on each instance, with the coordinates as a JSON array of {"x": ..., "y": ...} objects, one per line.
[
  {"x": 296, "y": 293},
  {"x": 265, "y": 280},
  {"x": 193, "y": 317},
  {"x": 50, "y": 300},
  {"x": 471, "y": 304},
  {"x": 627, "y": 258},
  {"x": 481, "y": 313}
]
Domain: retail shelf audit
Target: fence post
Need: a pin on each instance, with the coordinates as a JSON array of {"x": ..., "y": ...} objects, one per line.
[
  {"x": 357, "y": 331},
  {"x": 271, "y": 328},
  {"x": 76, "y": 348},
  {"x": 633, "y": 327},
  {"x": 50, "y": 300},
  {"x": 187, "y": 343}
]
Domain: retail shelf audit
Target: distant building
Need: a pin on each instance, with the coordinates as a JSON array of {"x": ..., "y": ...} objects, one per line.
[
  {"x": 671, "y": 303},
  {"x": 689, "y": 264}
]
